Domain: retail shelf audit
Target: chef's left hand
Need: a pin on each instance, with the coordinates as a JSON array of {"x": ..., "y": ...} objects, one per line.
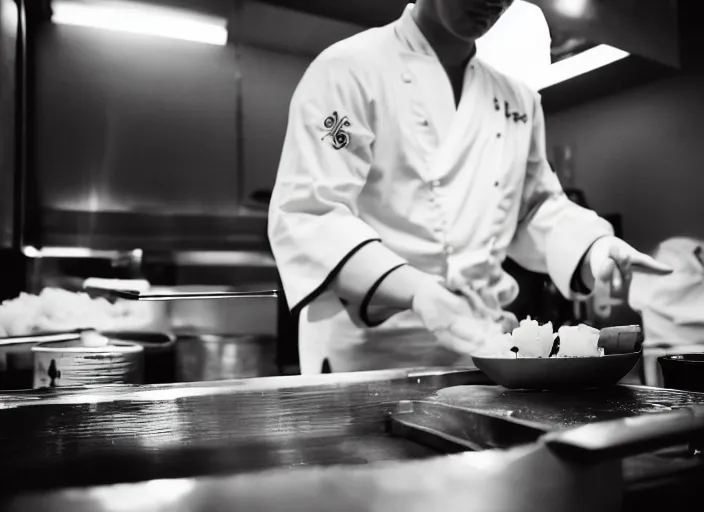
[{"x": 612, "y": 260}]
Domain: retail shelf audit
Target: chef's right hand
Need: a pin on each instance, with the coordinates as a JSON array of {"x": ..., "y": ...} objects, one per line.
[{"x": 459, "y": 323}]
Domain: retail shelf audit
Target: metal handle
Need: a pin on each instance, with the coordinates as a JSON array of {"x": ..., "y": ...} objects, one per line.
[
  {"x": 627, "y": 437},
  {"x": 138, "y": 296},
  {"x": 21, "y": 342}
]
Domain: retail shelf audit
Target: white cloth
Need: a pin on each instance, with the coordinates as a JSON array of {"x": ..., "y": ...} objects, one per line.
[
  {"x": 376, "y": 150},
  {"x": 672, "y": 306}
]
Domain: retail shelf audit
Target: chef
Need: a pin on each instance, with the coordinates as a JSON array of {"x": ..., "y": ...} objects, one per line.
[{"x": 410, "y": 170}]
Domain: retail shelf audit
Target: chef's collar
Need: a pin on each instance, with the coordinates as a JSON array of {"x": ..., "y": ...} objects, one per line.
[
  {"x": 412, "y": 38},
  {"x": 410, "y": 35}
]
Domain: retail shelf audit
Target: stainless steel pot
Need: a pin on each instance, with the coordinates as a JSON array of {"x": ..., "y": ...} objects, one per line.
[
  {"x": 209, "y": 357},
  {"x": 71, "y": 363},
  {"x": 17, "y": 359}
]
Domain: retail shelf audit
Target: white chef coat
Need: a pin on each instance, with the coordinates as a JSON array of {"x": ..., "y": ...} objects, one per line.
[{"x": 376, "y": 150}]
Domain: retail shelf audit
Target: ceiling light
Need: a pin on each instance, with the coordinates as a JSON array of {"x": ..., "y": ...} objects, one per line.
[
  {"x": 142, "y": 19},
  {"x": 584, "y": 62},
  {"x": 572, "y": 8}
]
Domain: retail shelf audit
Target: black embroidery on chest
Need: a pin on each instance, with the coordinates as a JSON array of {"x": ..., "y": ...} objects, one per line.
[
  {"x": 335, "y": 130},
  {"x": 516, "y": 116}
]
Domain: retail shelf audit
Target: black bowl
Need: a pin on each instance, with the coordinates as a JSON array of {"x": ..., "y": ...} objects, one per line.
[
  {"x": 683, "y": 371},
  {"x": 557, "y": 372}
]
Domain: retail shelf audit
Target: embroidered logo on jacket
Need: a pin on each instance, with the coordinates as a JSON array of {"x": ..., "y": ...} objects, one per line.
[
  {"x": 516, "y": 116},
  {"x": 335, "y": 130}
]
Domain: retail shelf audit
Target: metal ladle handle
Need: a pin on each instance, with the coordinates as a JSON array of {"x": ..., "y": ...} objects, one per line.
[{"x": 138, "y": 296}]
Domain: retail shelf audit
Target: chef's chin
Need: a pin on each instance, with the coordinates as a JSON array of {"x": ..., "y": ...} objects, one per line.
[{"x": 468, "y": 30}]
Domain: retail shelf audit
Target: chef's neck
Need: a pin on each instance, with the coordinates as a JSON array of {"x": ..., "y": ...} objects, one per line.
[{"x": 452, "y": 51}]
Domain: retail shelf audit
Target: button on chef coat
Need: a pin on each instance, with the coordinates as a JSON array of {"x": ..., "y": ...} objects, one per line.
[{"x": 376, "y": 151}]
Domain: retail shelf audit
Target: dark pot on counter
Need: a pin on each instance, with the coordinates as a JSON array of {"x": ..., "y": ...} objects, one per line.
[{"x": 683, "y": 371}]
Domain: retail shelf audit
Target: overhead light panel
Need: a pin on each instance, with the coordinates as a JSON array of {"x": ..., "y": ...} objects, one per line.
[
  {"x": 572, "y": 8},
  {"x": 138, "y": 18},
  {"x": 584, "y": 62}
]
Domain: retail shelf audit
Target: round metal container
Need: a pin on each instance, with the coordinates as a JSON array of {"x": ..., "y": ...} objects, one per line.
[
  {"x": 215, "y": 357},
  {"x": 70, "y": 364},
  {"x": 684, "y": 372}
]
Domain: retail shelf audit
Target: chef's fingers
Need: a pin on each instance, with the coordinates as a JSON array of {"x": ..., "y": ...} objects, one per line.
[
  {"x": 490, "y": 300},
  {"x": 475, "y": 301},
  {"x": 508, "y": 322},
  {"x": 457, "y": 338},
  {"x": 479, "y": 305},
  {"x": 605, "y": 271},
  {"x": 645, "y": 264},
  {"x": 617, "y": 279},
  {"x": 470, "y": 335}
]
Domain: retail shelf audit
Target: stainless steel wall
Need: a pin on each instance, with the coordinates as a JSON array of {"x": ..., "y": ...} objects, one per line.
[
  {"x": 8, "y": 98},
  {"x": 140, "y": 141},
  {"x": 128, "y": 123}
]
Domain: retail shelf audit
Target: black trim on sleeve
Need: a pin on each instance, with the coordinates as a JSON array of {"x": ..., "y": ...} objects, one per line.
[
  {"x": 577, "y": 284},
  {"x": 296, "y": 310},
  {"x": 363, "y": 314}
]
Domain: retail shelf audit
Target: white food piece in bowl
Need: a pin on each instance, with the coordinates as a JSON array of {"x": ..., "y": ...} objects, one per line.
[
  {"x": 93, "y": 339},
  {"x": 579, "y": 341},
  {"x": 532, "y": 340}
]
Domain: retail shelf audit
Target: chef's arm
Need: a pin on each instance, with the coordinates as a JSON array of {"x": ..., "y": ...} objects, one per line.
[
  {"x": 319, "y": 242},
  {"x": 554, "y": 234},
  {"x": 394, "y": 288}
]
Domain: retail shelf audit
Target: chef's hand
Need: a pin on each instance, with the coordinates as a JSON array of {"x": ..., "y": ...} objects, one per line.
[
  {"x": 460, "y": 323},
  {"x": 612, "y": 260},
  {"x": 487, "y": 302}
]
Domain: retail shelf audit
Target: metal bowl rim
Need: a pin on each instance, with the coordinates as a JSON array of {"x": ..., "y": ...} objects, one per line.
[{"x": 125, "y": 347}]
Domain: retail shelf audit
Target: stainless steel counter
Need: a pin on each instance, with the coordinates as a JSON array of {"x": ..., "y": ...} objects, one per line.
[
  {"x": 290, "y": 443},
  {"x": 69, "y": 437}
]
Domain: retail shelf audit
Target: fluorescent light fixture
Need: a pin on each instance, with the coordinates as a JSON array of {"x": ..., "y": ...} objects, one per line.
[
  {"x": 589, "y": 60},
  {"x": 142, "y": 19},
  {"x": 75, "y": 252},
  {"x": 572, "y": 8}
]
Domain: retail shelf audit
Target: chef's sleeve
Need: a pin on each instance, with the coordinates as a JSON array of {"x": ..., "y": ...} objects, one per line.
[
  {"x": 553, "y": 233},
  {"x": 314, "y": 227}
]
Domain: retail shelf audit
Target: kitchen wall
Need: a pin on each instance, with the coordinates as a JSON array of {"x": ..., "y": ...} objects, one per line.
[
  {"x": 641, "y": 154},
  {"x": 129, "y": 122},
  {"x": 134, "y": 123},
  {"x": 132, "y": 131},
  {"x": 8, "y": 97}
]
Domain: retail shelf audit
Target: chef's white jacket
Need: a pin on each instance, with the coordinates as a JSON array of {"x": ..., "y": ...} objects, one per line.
[{"x": 377, "y": 152}]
